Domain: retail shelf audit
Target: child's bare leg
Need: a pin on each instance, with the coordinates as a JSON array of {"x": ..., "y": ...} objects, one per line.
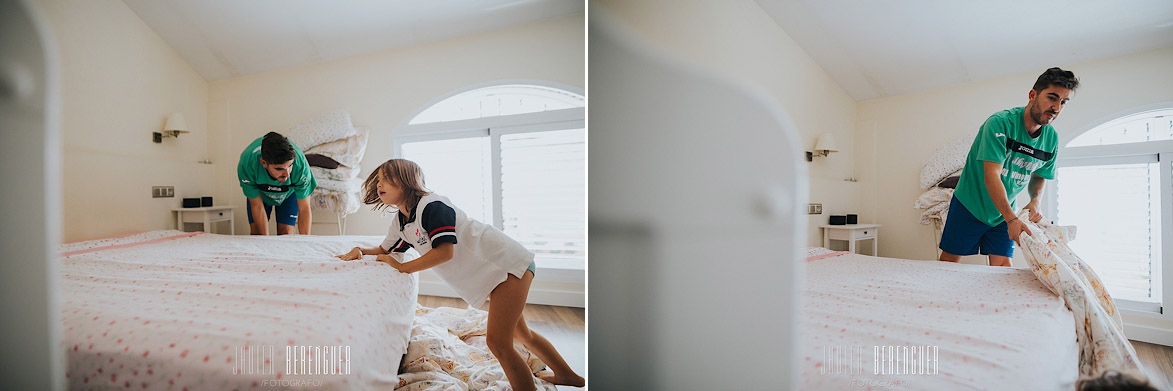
[
  {"x": 998, "y": 260},
  {"x": 538, "y": 344},
  {"x": 505, "y": 305}
]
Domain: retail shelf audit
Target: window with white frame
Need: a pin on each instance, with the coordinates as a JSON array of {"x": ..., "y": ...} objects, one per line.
[
  {"x": 1112, "y": 183},
  {"x": 501, "y": 100},
  {"x": 513, "y": 156}
]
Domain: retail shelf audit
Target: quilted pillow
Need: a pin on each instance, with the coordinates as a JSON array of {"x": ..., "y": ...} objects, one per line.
[
  {"x": 326, "y": 127},
  {"x": 341, "y": 173},
  {"x": 945, "y": 161},
  {"x": 347, "y": 151}
]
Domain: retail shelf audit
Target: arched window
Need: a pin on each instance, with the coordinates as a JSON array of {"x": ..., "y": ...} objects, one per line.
[
  {"x": 511, "y": 155},
  {"x": 499, "y": 101},
  {"x": 1115, "y": 183},
  {"x": 1137, "y": 128}
]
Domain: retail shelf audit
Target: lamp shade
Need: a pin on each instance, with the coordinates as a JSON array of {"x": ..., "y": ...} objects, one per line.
[
  {"x": 175, "y": 123},
  {"x": 827, "y": 143}
]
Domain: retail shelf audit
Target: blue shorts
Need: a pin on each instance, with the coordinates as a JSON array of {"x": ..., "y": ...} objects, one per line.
[
  {"x": 286, "y": 212},
  {"x": 966, "y": 235}
]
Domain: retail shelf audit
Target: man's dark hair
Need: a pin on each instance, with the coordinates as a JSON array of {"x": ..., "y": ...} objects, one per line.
[
  {"x": 1056, "y": 77},
  {"x": 276, "y": 149}
]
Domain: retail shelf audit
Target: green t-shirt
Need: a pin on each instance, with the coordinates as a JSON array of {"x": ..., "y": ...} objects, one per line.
[
  {"x": 256, "y": 182},
  {"x": 1003, "y": 139}
]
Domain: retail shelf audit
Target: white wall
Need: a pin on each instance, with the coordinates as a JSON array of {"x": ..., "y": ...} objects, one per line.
[
  {"x": 380, "y": 91},
  {"x": 908, "y": 128},
  {"x": 738, "y": 39},
  {"x": 119, "y": 82}
]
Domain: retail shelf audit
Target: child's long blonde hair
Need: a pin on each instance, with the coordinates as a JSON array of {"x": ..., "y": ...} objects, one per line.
[{"x": 402, "y": 173}]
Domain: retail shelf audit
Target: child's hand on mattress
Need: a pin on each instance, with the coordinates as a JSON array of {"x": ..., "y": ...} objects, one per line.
[
  {"x": 385, "y": 258},
  {"x": 355, "y": 253}
]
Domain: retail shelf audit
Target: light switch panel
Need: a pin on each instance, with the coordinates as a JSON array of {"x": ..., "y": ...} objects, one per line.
[
  {"x": 162, "y": 191},
  {"x": 814, "y": 209}
]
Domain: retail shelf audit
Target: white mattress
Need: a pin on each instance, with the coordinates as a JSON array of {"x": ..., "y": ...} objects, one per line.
[
  {"x": 169, "y": 310},
  {"x": 995, "y": 328}
]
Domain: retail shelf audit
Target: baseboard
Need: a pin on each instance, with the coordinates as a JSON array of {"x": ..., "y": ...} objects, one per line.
[
  {"x": 1149, "y": 334},
  {"x": 536, "y": 296}
]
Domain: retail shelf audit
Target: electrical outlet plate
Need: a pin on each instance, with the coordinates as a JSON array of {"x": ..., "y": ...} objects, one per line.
[
  {"x": 162, "y": 191},
  {"x": 814, "y": 209}
]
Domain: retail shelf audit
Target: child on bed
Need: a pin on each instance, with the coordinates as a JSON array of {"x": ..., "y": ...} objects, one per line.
[{"x": 475, "y": 259}]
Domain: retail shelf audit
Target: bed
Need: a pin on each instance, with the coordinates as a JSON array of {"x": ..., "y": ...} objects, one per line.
[
  {"x": 992, "y": 327},
  {"x": 196, "y": 311}
]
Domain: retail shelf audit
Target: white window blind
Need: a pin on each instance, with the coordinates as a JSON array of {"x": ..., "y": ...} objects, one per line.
[
  {"x": 513, "y": 156},
  {"x": 543, "y": 194},
  {"x": 1138, "y": 128},
  {"x": 459, "y": 169},
  {"x": 1117, "y": 210},
  {"x": 542, "y": 186}
]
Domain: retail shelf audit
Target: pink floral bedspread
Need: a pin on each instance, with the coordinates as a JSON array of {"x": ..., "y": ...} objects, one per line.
[
  {"x": 167, "y": 310},
  {"x": 993, "y": 328}
]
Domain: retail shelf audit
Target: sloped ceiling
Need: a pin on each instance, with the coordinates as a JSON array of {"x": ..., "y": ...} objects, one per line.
[
  {"x": 229, "y": 38},
  {"x": 875, "y": 49}
]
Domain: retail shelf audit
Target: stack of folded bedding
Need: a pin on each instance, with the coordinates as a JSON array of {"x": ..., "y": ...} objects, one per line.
[
  {"x": 334, "y": 148},
  {"x": 935, "y": 201},
  {"x": 938, "y": 177}
]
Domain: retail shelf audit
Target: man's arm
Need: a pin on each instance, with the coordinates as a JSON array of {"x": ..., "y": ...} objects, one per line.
[
  {"x": 260, "y": 225},
  {"x": 1035, "y": 189},
  {"x": 303, "y": 216},
  {"x": 997, "y": 191}
]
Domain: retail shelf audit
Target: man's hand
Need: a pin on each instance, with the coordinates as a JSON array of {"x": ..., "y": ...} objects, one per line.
[
  {"x": 355, "y": 253},
  {"x": 1033, "y": 207},
  {"x": 1015, "y": 228},
  {"x": 388, "y": 259}
]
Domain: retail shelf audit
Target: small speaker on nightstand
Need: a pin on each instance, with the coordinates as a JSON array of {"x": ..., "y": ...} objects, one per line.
[{"x": 838, "y": 220}]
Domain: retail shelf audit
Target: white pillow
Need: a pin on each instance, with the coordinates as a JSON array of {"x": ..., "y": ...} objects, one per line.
[
  {"x": 945, "y": 161},
  {"x": 347, "y": 151},
  {"x": 329, "y": 126},
  {"x": 342, "y": 173}
]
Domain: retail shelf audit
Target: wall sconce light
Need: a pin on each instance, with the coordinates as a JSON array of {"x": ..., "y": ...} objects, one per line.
[
  {"x": 823, "y": 147},
  {"x": 175, "y": 125}
]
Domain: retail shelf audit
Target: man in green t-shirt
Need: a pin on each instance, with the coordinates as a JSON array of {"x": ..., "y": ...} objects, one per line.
[
  {"x": 1014, "y": 149},
  {"x": 271, "y": 169}
]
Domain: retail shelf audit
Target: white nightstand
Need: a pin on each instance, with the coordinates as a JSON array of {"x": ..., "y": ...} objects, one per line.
[
  {"x": 852, "y": 233},
  {"x": 205, "y": 215}
]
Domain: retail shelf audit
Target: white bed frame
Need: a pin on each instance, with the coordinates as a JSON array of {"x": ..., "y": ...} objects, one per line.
[{"x": 696, "y": 191}]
